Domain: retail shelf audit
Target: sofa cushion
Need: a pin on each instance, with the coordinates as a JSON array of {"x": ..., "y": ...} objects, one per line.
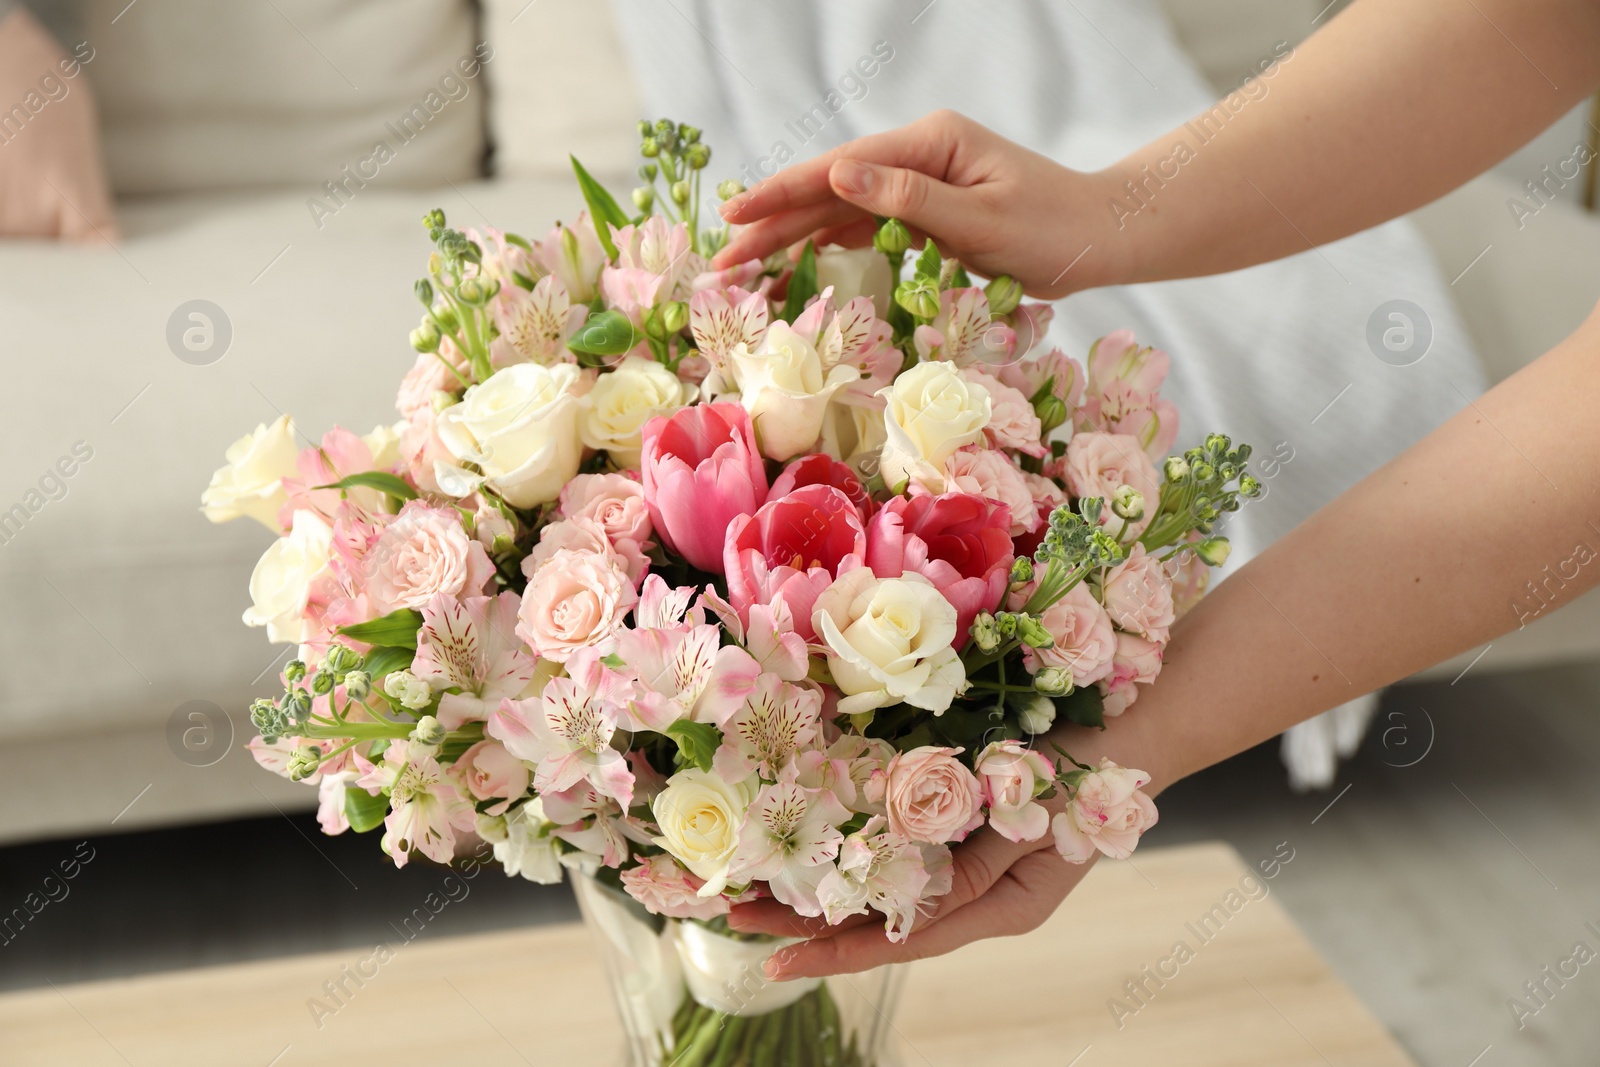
[{"x": 199, "y": 95}]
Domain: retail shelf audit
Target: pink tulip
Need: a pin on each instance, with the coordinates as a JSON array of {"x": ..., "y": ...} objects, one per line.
[
  {"x": 701, "y": 471},
  {"x": 960, "y": 542},
  {"x": 792, "y": 549},
  {"x": 819, "y": 469}
]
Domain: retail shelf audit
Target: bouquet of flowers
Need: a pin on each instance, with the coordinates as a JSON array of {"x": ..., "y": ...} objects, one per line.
[{"x": 724, "y": 584}]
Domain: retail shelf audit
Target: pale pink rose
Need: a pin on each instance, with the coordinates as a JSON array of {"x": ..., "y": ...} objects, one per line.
[
  {"x": 990, "y": 473},
  {"x": 1138, "y": 595},
  {"x": 1010, "y": 773},
  {"x": 1047, "y": 496},
  {"x": 489, "y": 523},
  {"x": 1117, "y": 697},
  {"x": 929, "y": 796},
  {"x": 427, "y": 377},
  {"x": 1107, "y": 813},
  {"x": 575, "y": 600},
  {"x": 1098, "y": 464},
  {"x": 1137, "y": 662},
  {"x": 489, "y": 771},
  {"x": 422, "y": 553},
  {"x": 1084, "y": 639},
  {"x": 665, "y": 888},
  {"x": 615, "y": 502},
  {"x": 1012, "y": 421},
  {"x": 585, "y": 535}
]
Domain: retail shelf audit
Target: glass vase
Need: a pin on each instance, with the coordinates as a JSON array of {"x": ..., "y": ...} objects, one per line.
[{"x": 690, "y": 995}]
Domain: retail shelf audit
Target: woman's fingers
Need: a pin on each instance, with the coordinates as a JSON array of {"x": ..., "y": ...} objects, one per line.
[
  {"x": 780, "y": 920},
  {"x": 763, "y": 238}
]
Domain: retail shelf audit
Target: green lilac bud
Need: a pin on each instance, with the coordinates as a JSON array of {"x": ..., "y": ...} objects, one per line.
[
  {"x": 304, "y": 761},
  {"x": 644, "y": 127},
  {"x": 269, "y": 719},
  {"x": 1004, "y": 294},
  {"x": 1241, "y": 454},
  {"x": 649, "y": 149},
  {"x": 425, "y": 338},
  {"x": 296, "y": 703},
  {"x": 407, "y": 690},
  {"x": 674, "y": 315},
  {"x": 1204, "y": 471},
  {"x": 428, "y": 731},
  {"x": 1218, "y": 443},
  {"x": 1214, "y": 550},
  {"x": 322, "y": 683},
  {"x": 697, "y": 156},
  {"x": 1052, "y": 411},
  {"x": 1053, "y": 681},
  {"x": 434, "y": 220},
  {"x": 1176, "y": 468},
  {"x": 1021, "y": 570},
  {"x": 644, "y": 198},
  {"x": 1127, "y": 503},
  {"x": 446, "y": 317},
  {"x": 729, "y": 188},
  {"x": 1227, "y": 472},
  {"x": 1249, "y": 487},
  {"x": 985, "y": 632},
  {"x": 1007, "y": 621},
  {"x": 424, "y": 291},
  {"x": 1037, "y": 715},
  {"x": 680, "y": 193},
  {"x": 920, "y": 298},
  {"x": 648, "y": 172},
  {"x": 357, "y": 684},
  {"x": 665, "y": 131},
  {"x": 690, "y": 134},
  {"x": 1034, "y": 634},
  {"x": 343, "y": 658},
  {"x": 477, "y": 292},
  {"x": 892, "y": 238},
  {"x": 294, "y": 670}
]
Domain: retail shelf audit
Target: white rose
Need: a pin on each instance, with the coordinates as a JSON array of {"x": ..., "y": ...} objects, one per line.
[
  {"x": 786, "y": 389},
  {"x": 623, "y": 400},
  {"x": 889, "y": 642},
  {"x": 384, "y": 444},
  {"x": 931, "y": 412},
  {"x": 699, "y": 814},
  {"x": 521, "y": 428},
  {"x": 252, "y": 482},
  {"x": 855, "y": 272},
  {"x": 853, "y": 434},
  {"x": 280, "y": 586}
]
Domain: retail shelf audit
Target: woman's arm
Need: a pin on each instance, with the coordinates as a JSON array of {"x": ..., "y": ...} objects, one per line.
[
  {"x": 1389, "y": 106},
  {"x": 1453, "y": 543}
]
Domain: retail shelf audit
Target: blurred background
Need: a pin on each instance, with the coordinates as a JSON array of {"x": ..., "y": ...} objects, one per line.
[{"x": 209, "y": 217}]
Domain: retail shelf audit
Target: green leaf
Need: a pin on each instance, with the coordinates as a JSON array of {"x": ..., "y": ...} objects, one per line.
[
  {"x": 697, "y": 742},
  {"x": 364, "y": 810},
  {"x": 603, "y": 207},
  {"x": 802, "y": 284},
  {"x": 396, "y": 628},
  {"x": 386, "y": 659},
  {"x": 929, "y": 262},
  {"x": 608, "y": 333},
  {"x": 379, "y": 480},
  {"x": 1086, "y": 707},
  {"x": 960, "y": 279}
]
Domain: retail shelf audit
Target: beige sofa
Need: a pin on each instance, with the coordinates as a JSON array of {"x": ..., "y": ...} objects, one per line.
[{"x": 122, "y": 646}]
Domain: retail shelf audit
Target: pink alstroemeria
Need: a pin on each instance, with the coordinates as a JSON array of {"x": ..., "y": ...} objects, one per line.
[
  {"x": 774, "y": 723},
  {"x": 885, "y": 872},
  {"x": 684, "y": 674},
  {"x": 720, "y": 319},
  {"x": 566, "y": 732},
  {"x": 339, "y": 455},
  {"x": 1122, "y": 395},
  {"x": 701, "y": 470},
  {"x": 963, "y": 333},
  {"x": 592, "y": 822},
  {"x": 425, "y": 809},
  {"x": 788, "y": 841},
  {"x": 534, "y": 326},
  {"x": 471, "y": 646}
]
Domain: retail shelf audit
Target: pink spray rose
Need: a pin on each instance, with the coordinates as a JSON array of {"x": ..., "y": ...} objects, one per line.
[
  {"x": 701, "y": 471},
  {"x": 586, "y": 535},
  {"x": 665, "y": 888},
  {"x": 1137, "y": 662},
  {"x": 991, "y": 473},
  {"x": 489, "y": 771},
  {"x": 424, "y": 552},
  {"x": 820, "y": 469},
  {"x": 574, "y": 600},
  {"x": 1138, "y": 595},
  {"x": 958, "y": 541},
  {"x": 1108, "y": 813},
  {"x": 615, "y": 501},
  {"x": 1098, "y": 464},
  {"x": 1084, "y": 639},
  {"x": 930, "y": 796},
  {"x": 1011, "y": 773},
  {"x": 792, "y": 549}
]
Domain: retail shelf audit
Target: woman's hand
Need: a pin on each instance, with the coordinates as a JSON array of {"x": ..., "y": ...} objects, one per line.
[
  {"x": 992, "y": 204},
  {"x": 1000, "y": 888}
]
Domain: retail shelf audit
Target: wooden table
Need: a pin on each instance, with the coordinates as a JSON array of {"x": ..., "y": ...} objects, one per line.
[{"x": 1250, "y": 991}]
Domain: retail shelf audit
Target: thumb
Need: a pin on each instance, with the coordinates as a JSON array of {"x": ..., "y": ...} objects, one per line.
[{"x": 908, "y": 195}]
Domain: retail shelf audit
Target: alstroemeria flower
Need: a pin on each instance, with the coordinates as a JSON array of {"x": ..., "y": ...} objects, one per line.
[
  {"x": 425, "y": 810},
  {"x": 1122, "y": 395},
  {"x": 567, "y": 733},
  {"x": 471, "y": 646},
  {"x": 787, "y": 841},
  {"x": 534, "y": 326},
  {"x": 775, "y": 721},
  {"x": 887, "y": 873},
  {"x": 684, "y": 674}
]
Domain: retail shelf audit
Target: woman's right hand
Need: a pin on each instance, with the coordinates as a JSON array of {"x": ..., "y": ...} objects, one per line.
[{"x": 992, "y": 204}]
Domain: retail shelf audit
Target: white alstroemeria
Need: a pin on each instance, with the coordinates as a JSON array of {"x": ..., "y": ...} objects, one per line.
[
  {"x": 471, "y": 646},
  {"x": 530, "y": 849},
  {"x": 885, "y": 872},
  {"x": 425, "y": 810},
  {"x": 774, "y": 722},
  {"x": 567, "y": 733},
  {"x": 662, "y": 606},
  {"x": 684, "y": 674},
  {"x": 788, "y": 841}
]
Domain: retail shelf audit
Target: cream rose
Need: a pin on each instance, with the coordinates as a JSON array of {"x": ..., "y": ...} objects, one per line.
[
  {"x": 280, "y": 586},
  {"x": 699, "y": 815},
  {"x": 785, "y": 387},
  {"x": 931, "y": 797},
  {"x": 623, "y": 400},
  {"x": 574, "y": 600},
  {"x": 384, "y": 444},
  {"x": 854, "y": 272},
  {"x": 931, "y": 412},
  {"x": 252, "y": 482},
  {"x": 889, "y": 642},
  {"x": 521, "y": 428}
]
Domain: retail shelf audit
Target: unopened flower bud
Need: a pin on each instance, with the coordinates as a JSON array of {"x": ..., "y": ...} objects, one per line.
[
  {"x": 1034, "y": 634},
  {"x": 1249, "y": 487},
  {"x": 1127, "y": 503},
  {"x": 296, "y": 703},
  {"x": 920, "y": 298},
  {"x": 434, "y": 220},
  {"x": 492, "y": 828},
  {"x": 304, "y": 761},
  {"x": 1214, "y": 550},
  {"x": 1053, "y": 681},
  {"x": 342, "y": 658},
  {"x": 1052, "y": 411},
  {"x": 1037, "y": 715},
  {"x": 268, "y": 718},
  {"x": 674, "y": 315},
  {"x": 985, "y": 632},
  {"x": 644, "y": 127},
  {"x": 648, "y": 172},
  {"x": 294, "y": 670},
  {"x": 1004, "y": 294},
  {"x": 644, "y": 198},
  {"x": 729, "y": 188},
  {"x": 697, "y": 156},
  {"x": 680, "y": 193},
  {"x": 322, "y": 683},
  {"x": 443, "y": 399},
  {"x": 649, "y": 149},
  {"x": 425, "y": 338},
  {"x": 408, "y": 690},
  {"x": 428, "y": 731},
  {"x": 690, "y": 134},
  {"x": 1007, "y": 622},
  {"x": 1021, "y": 570},
  {"x": 1241, "y": 454},
  {"x": 1176, "y": 468},
  {"x": 1218, "y": 443},
  {"x": 477, "y": 291},
  {"x": 424, "y": 292},
  {"x": 1204, "y": 471},
  {"x": 892, "y": 238},
  {"x": 447, "y": 318},
  {"x": 357, "y": 684}
]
